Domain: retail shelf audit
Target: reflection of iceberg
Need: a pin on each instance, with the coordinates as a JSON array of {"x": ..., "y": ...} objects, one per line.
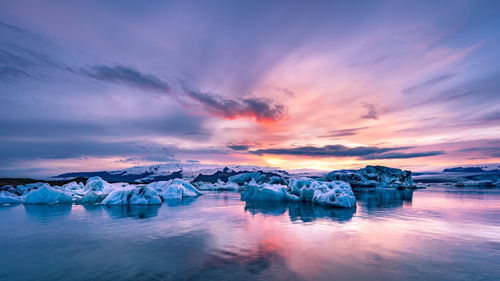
[
  {"x": 383, "y": 198},
  {"x": 135, "y": 211},
  {"x": 42, "y": 211},
  {"x": 174, "y": 202},
  {"x": 303, "y": 211},
  {"x": 311, "y": 212}
]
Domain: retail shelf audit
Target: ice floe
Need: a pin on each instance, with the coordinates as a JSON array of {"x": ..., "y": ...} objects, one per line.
[
  {"x": 375, "y": 176},
  {"x": 133, "y": 196},
  {"x": 176, "y": 188},
  {"x": 98, "y": 185},
  {"x": 335, "y": 194},
  {"x": 219, "y": 186},
  {"x": 7, "y": 198},
  {"x": 47, "y": 195},
  {"x": 267, "y": 192},
  {"x": 478, "y": 183}
]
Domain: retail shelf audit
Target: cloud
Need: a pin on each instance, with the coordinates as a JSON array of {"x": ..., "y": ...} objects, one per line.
[
  {"x": 238, "y": 147},
  {"x": 326, "y": 151},
  {"x": 492, "y": 116},
  {"x": 26, "y": 62},
  {"x": 9, "y": 72},
  {"x": 397, "y": 155},
  {"x": 127, "y": 76},
  {"x": 19, "y": 30},
  {"x": 285, "y": 91},
  {"x": 263, "y": 110},
  {"x": 342, "y": 132},
  {"x": 371, "y": 111},
  {"x": 361, "y": 152},
  {"x": 176, "y": 125},
  {"x": 427, "y": 84},
  {"x": 488, "y": 151}
]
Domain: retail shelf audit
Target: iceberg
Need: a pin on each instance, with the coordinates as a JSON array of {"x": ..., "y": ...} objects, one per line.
[
  {"x": 133, "y": 196},
  {"x": 246, "y": 177},
  {"x": 267, "y": 192},
  {"x": 7, "y": 198},
  {"x": 219, "y": 186},
  {"x": 375, "y": 176},
  {"x": 47, "y": 195},
  {"x": 176, "y": 188},
  {"x": 334, "y": 194},
  {"x": 98, "y": 185},
  {"x": 90, "y": 197},
  {"x": 72, "y": 186},
  {"x": 478, "y": 183},
  {"x": 24, "y": 189}
]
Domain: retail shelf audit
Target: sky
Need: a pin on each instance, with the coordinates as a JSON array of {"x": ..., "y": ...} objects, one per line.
[{"x": 103, "y": 85}]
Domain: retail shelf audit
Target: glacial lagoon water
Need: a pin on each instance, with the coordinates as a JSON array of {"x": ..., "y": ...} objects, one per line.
[{"x": 442, "y": 233}]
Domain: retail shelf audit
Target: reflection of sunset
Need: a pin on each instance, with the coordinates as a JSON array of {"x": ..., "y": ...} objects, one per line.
[{"x": 392, "y": 231}]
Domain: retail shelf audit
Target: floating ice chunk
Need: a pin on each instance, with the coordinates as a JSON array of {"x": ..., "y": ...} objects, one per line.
[
  {"x": 24, "y": 189},
  {"x": 9, "y": 198},
  {"x": 336, "y": 193},
  {"x": 176, "y": 188},
  {"x": 375, "y": 176},
  {"x": 133, "y": 196},
  {"x": 47, "y": 195},
  {"x": 73, "y": 186},
  {"x": 246, "y": 177},
  {"x": 267, "y": 192},
  {"x": 90, "y": 198},
  {"x": 121, "y": 185},
  {"x": 160, "y": 185},
  {"x": 219, "y": 186},
  {"x": 478, "y": 183},
  {"x": 98, "y": 185}
]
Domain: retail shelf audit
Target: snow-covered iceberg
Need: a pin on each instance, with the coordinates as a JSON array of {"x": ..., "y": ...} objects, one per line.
[
  {"x": 48, "y": 195},
  {"x": 176, "y": 188},
  {"x": 374, "y": 176},
  {"x": 219, "y": 186},
  {"x": 335, "y": 194},
  {"x": 133, "y": 196}
]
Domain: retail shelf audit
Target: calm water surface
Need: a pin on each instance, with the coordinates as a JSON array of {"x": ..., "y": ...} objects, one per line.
[{"x": 434, "y": 234}]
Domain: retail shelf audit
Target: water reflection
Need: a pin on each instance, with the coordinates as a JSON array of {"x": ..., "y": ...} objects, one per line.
[
  {"x": 433, "y": 234},
  {"x": 262, "y": 260},
  {"x": 303, "y": 211},
  {"x": 174, "y": 202},
  {"x": 378, "y": 199},
  {"x": 45, "y": 211},
  {"x": 134, "y": 211}
]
